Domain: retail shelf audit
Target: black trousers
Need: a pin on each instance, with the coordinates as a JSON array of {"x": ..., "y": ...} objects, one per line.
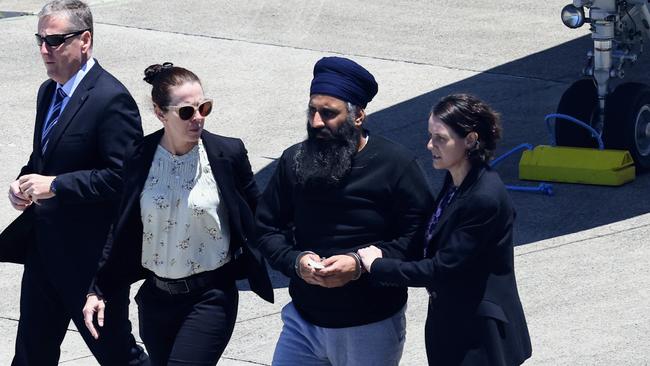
[
  {"x": 467, "y": 341},
  {"x": 187, "y": 329},
  {"x": 46, "y": 309}
]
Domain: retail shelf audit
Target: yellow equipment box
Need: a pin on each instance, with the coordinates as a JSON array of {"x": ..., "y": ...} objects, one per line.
[{"x": 577, "y": 165}]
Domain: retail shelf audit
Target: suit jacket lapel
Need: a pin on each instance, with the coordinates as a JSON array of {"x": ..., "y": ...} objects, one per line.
[
  {"x": 136, "y": 174},
  {"x": 77, "y": 99},
  {"x": 222, "y": 172},
  {"x": 445, "y": 213},
  {"x": 460, "y": 195}
]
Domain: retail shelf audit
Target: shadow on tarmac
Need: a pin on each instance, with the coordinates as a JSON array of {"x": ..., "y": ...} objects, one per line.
[{"x": 523, "y": 91}]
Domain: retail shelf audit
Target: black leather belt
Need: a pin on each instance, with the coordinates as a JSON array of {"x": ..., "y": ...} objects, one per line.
[{"x": 203, "y": 280}]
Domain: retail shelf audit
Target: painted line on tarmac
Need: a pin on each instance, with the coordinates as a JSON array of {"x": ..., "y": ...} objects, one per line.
[
  {"x": 598, "y": 236},
  {"x": 246, "y": 361},
  {"x": 257, "y": 317},
  {"x": 411, "y": 62},
  {"x": 77, "y": 359}
]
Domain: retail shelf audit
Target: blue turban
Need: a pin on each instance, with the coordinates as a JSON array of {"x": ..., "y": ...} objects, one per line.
[{"x": 344, "y": 79}]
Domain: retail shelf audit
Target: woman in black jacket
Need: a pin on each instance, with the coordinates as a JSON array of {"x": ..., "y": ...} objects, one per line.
[
  {"x": 475, "y": 316},
  {"x": 183, "y": 225}
]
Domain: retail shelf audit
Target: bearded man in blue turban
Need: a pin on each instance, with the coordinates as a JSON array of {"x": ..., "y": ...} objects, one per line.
[{"x": 340, "y": 190}]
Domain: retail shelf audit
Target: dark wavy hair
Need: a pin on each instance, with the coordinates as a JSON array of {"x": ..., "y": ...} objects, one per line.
[
  {"x": 164, "y": 77},
  {"x": 465, "y": 113}
]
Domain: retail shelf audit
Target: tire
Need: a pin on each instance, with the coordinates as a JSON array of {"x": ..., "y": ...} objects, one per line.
[
  {"x": 580, "y": 101},
  {"x": 627, "y": 124}
]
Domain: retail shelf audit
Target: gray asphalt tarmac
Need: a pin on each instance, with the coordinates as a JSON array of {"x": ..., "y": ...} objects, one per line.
[{"x": 582, "y": 257}]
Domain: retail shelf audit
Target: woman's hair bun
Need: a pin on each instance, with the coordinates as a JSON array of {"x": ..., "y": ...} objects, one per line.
[{"x": 151, "y": 72}]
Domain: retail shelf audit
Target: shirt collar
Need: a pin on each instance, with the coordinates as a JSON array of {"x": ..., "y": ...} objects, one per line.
[{"x": 70, "y": 85}]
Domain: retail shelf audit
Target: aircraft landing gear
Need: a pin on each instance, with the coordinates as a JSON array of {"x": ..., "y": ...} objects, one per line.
[
  {"x": 622, "y": 116},
  {"x": 628, "y": 114},
  {"x": 627, "y": 119}
]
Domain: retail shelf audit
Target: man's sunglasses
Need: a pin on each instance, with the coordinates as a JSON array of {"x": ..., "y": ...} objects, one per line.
[
  {"x": 186, "y": 112},
  {"x": 55, "y": 40}
]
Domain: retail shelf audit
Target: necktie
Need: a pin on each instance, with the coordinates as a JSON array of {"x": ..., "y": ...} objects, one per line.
[{"x": 54, "y": 118}]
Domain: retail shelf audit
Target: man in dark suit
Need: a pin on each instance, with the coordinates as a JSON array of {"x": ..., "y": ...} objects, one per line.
[{"x": 68, "y": 192}]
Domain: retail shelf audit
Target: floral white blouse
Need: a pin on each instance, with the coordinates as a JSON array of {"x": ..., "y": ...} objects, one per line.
[{"x": 185, "y": 227}]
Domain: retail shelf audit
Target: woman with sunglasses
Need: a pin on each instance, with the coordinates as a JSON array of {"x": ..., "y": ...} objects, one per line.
[
  {"x": 475, "y": 316},
  {"x": 183, "y": 226}
]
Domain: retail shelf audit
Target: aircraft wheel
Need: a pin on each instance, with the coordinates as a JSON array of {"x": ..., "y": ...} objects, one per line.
[{"x": 628, "y": 122}]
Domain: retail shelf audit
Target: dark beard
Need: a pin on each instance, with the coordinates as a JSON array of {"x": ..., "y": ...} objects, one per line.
[{"x": 324, "y": 162}]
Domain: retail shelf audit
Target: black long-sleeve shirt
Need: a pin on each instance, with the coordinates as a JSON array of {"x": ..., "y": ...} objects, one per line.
[{"x": 384, "y": 201}]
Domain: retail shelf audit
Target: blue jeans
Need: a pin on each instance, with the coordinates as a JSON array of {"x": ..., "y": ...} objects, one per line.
[{"x": 302, "y": 343}]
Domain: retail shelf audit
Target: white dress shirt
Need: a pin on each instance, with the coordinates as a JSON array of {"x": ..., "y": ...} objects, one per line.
[{"x": 69, "y": 87}]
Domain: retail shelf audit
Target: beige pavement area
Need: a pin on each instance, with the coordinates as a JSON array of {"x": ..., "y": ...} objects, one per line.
[{"x": 582, "y": 266}]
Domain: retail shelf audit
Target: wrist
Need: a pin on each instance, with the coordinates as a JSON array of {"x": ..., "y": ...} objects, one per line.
[
  {"x": 94, "y": 294},
  {"x": 358, "y": 270},
  {"x": 296, "y": 263},
  {"x": 53, "y": 185},
  {"x": 369, "y": 269}
]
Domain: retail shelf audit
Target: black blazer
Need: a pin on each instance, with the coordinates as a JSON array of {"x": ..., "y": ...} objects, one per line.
[
  {"x": 470, "y": 275},
  {"x": 121, "y": 261},
  {"x": 86, "y": 150}
]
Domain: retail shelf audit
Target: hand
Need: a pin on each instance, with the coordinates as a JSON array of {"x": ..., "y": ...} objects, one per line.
[
  {"x": 338, "y": 271},
  {"x": 307, "y": 272},
  {"x": 36, "y": 186},
  {"x": 94, "y": 305},
  {"x": 368, "y": 255},
  {"x": 18, "y": 200}
]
